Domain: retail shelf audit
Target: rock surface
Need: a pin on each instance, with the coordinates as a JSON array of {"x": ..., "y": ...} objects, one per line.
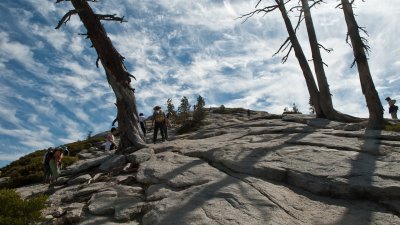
[{"x": 267, "y": 169}]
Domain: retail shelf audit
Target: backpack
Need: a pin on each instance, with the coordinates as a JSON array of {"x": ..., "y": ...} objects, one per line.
[
  {"x": 393, "y": 108},
  {"x": 159, "y": 116},
  {"x": 49, "y": 154}
]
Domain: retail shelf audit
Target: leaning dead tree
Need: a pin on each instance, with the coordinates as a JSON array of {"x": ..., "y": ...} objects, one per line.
[
  {"x": 359, "y": 46},
  {"x": 292, "y": 43},
  {"x": 320, "y": 95},
  {"x": 117, "y": 75},
  {"x": 325, "y": 94}
]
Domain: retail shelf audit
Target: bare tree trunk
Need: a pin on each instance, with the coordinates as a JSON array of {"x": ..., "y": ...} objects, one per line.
[
  {"x": 374, "y": 104},
  {"x": 311, "y": 85},
  {"x": 117, "y": 76},
  {"x": 325, "y": 95}
]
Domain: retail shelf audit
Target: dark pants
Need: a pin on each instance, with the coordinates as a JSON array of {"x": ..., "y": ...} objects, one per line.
[
  {"x": 143, "y": 128},
  {"x": 165, "y": 127},
  {"x": 158, "y": 126}
]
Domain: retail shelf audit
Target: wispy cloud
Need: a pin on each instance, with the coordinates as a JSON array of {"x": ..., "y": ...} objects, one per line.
[{"x": 52, "y": 93}]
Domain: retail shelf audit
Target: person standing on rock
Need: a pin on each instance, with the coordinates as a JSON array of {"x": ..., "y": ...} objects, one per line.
[
  {"x": 159, "y": 123},
  {"x": 392, "y": 107}
]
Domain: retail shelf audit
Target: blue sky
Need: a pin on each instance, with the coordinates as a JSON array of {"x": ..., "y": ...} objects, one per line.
[{"x": 52, "y": 93}]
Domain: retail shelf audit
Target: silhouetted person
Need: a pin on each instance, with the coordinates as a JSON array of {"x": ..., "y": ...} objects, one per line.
[{"x": 392, "y": 107}]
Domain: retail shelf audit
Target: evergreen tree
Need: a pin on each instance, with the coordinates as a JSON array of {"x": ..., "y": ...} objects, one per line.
[
  {"x": 171, "y": 107},
  {"x": 184, "y": 110},
  {"x": 199, "y": 113}
]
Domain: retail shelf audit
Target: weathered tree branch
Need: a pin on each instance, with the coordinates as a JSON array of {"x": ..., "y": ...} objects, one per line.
[
  {"x": 66, "y": 18},
  {"x": 316, "y": 2},
  {"x": 97, "y": 61},
  {"x": 265, "y": 10},
  {"x": 110, "y": 17},
  {"x": 301, "y": 18},
  {"x": 328, "y": 50},
  {"x": 285, "y": 58},
  {"x": 283, "y": 46}
]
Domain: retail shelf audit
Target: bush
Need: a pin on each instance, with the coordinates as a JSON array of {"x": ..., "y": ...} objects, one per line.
[
  {"x": 393, "y": 127},
  {"x": 188, "y": 126},
  {"x": 16, "y": 211},
  {"x": 69, "y": 160},
  {"x": 223, "y": 110},
  {"x": 29, "y": 168},
  {"x": 294, "y": 110}
]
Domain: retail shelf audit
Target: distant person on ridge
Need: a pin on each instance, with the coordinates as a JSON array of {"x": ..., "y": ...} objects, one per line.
[
  {"x": 142, "y": 123},
  {"x": 392, "y": 107},
  {"x": 158, "y": 122}
]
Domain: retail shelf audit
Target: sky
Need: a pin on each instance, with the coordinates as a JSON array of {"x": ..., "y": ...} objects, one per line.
[{"x": 52, "y": 93}]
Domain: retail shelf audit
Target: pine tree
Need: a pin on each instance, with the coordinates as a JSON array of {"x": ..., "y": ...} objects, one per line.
[
  {"x": 184, "y": 110},
  {"x": 171, "y": 107},
  {"x": 200, "y": 113}
]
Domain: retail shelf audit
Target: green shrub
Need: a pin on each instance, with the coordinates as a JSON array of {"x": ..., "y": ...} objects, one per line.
[
  {"x": 393, "y": 127},
  {"x": 16, "y": 211},
  {"x": 189, "y": 126},
  {"x": 223, "y": 110},
  {"x": 69, "y": 160},
  {"x": 29, "y": 168}
]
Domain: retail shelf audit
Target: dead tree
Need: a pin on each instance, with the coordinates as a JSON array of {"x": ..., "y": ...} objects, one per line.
[
  {"x": 325, "y": 94},
  {"x": 320, "y": 98},
  {"x": 293, "y": 44},
  {"x": 117, "y": 75},
  {"x": 374, "y": 104}
]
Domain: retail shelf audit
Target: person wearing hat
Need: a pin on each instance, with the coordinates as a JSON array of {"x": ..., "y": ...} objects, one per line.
[
  {"x": 392, "y": 107},
  {"x": 158, "y": 122}
]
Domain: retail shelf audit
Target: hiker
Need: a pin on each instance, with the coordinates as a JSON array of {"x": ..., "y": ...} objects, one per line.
[
  {"x": 46, "y": 166},
  {"x": 158, "y": 122},
  {"x": 142, "y": 123},
  {"x": 54, "y": 163},
  {"x": 392, "y": 107},
  {"x": 248, "y": 113},
  {"x": 110, "y": 140}
]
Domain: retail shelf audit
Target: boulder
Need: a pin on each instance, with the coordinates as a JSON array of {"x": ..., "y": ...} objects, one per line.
[
  {"x": 116, "y": 161},
  {"x": 83, "y": 165},
  {"x": 4, "y": 181},
  {"x": 102, "y": 203},
  {"x": 79, "y": 180},
  {"x": 140, "y": 156},
  {"x": 73, "y": 213}
]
